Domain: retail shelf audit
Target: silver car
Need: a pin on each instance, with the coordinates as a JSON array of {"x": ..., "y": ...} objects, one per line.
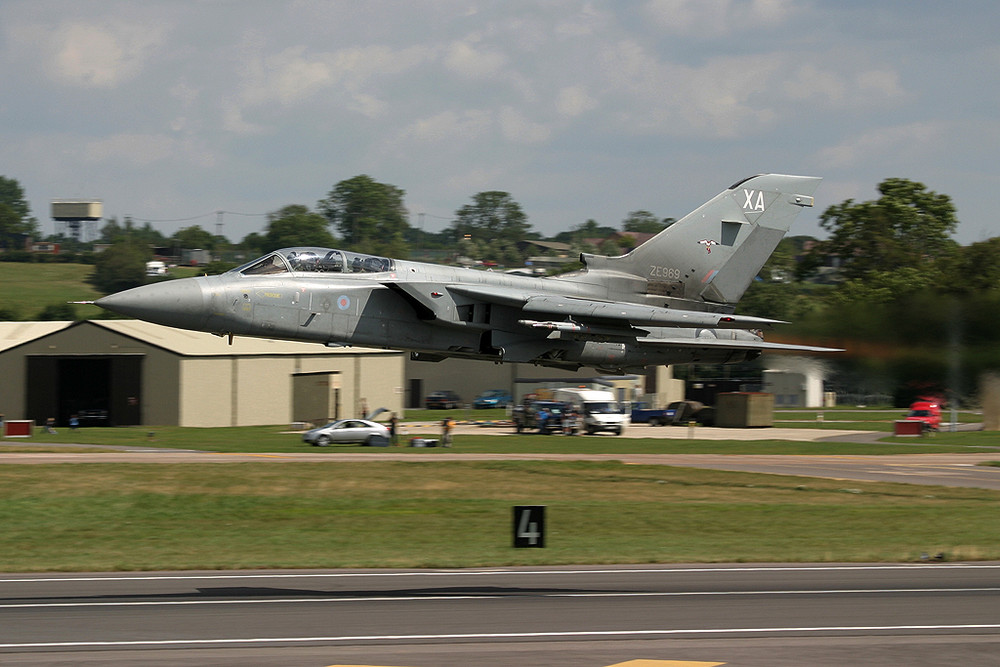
[{"x": 345, "y": 431}]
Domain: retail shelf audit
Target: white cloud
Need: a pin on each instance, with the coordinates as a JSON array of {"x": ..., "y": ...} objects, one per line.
[
  {"x": 896, "y": 145},
  {"x": 588, "y": 21},
  {"x": 464, "y": 58},
  {"x": 348, "y": 78},
  {"x": 104, "y": 55},
  {"x": 131, "y": 149},
  {"x": 517, "y": 128},
  {"x": 879, "y": 83},
  {"x": 574, "y": 101},
  {"x": 718, "y": 18},
  {"x": 233, "y": 121},
  {"x": 448, "y": 126},
  {"x": 143, "y": 150}
]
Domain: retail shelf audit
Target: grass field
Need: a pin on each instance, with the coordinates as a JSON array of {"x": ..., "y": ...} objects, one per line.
[
  {"x": 29, "y": 288},
  {"x": 397, "y": 514}
]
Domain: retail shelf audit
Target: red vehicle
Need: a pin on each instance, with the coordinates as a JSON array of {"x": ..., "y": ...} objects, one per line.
[{"x": 928, "y": 412}]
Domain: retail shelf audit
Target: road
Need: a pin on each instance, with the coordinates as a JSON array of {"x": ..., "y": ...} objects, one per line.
[
  {"x": 594, "y": 616},
  {"x": 933, "y": 469}
]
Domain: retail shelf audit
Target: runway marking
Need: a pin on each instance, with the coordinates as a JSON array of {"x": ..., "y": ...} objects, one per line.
[
  {"x": 496, "y": 635},
  {"x": 665, "y": 663},
  {"x": 630, "y": 663},
  {"x": 436, "y": 598},
  {"x": 496, "y": 572}
]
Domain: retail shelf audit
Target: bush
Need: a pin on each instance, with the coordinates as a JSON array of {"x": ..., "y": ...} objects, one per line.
[
  {"x": 17, "y": 256},
  {"x": 57, "y": 312}
]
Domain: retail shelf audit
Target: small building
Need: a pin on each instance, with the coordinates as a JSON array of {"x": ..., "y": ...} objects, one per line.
[
  {"x": 129, "y": 372},
  {"x": 794, "y": 389}
]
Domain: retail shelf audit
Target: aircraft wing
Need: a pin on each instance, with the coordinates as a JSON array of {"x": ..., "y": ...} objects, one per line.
[{"x": 633, "y": 314}]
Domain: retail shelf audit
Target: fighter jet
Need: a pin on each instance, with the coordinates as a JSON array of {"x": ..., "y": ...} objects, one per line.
[{"x": 669, "y": 301}]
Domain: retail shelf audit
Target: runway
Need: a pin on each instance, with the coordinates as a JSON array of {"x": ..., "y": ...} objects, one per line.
[{"x": 586, "y": 617}]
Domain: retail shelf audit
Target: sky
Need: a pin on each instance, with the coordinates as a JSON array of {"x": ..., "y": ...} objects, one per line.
[{"x": 172, "y": 110}]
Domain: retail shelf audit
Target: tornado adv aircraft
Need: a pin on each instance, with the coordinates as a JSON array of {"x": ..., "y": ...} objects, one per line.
[{"x": 669, "y": 301}]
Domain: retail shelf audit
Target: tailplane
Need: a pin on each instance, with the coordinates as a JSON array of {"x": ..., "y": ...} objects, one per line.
[{"x": 712, "y": 254}]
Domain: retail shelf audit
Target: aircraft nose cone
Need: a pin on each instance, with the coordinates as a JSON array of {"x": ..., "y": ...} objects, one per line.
[{"x": 174, "y": 303}]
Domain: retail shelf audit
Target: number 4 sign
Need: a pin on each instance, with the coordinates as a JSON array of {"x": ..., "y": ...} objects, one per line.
[{"x": 529, "y": 526}]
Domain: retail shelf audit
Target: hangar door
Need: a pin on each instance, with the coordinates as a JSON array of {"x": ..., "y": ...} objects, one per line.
[{"x": 102, "y": 390}]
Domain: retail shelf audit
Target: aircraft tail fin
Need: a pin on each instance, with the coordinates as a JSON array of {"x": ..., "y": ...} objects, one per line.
[{"x": 712, "y": 254}]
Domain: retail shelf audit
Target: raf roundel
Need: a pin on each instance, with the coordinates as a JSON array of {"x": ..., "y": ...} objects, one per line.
[{"x": 343, "y": 302}]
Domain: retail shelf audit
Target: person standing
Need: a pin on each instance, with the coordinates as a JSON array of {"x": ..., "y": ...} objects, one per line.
[
  {"x": 446, "y": 425},
  {"x": 394, "y": 430},
  {"x": 543, "y": 421}
]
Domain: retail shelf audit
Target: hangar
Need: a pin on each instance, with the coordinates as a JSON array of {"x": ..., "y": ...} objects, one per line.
[{"x": 129, "y": 372}]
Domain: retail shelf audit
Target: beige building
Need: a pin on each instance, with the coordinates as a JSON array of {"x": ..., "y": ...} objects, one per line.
[{"x": 129, "y": 372}]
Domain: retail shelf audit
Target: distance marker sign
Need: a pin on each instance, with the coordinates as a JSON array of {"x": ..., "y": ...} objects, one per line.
[{"x": 529, "y": 526}]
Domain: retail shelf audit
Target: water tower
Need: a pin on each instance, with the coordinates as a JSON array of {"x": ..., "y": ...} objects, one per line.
[{"x": 77, "y": 216}]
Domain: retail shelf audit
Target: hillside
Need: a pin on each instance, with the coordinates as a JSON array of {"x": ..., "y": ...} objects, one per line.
[{"x": 29, "y": 288}]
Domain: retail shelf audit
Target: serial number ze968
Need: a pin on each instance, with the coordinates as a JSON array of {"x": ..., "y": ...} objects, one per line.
[{"x": 664, "y": 272}]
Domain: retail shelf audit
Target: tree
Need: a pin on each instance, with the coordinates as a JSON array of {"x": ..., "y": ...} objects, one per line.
[
  {"x": 16, "y": 221},
  {"x": 493, "y": 216},
  {"x": 195, "y": 238},
  {"x": 252, "y": 245},
  {"x": 114, "y": 232},
  {"x": 12, "y": 194},
  {"x": 905, "y": 227},
  {"x": 368, "y": 215},
  {"x": 644, "y": 222},
  {"x": 121, "y": 266},
  {"x": 973, "y": 268},
  {"x": 296, "y": 225}
]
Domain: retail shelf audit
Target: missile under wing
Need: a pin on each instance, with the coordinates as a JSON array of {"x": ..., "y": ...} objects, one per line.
[{"x": 671, "y": 300}]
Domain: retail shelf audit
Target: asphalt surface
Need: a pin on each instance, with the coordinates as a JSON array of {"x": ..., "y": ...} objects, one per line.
[
  {"x": 586, "y": 617},
  {"x": 929, "y": 469}
]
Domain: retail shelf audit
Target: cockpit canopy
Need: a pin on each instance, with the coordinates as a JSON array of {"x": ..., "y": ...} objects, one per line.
[{"x": 315, "y": 260}]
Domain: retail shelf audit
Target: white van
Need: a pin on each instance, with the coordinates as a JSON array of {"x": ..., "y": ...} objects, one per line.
[
  {"x": 598, "y": 410},
  {"x": 156, "y": 268}
]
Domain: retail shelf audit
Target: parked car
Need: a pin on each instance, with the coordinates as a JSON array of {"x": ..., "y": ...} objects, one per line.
[
  {"x": 446, "y": 399},
  {"x": 525, "y": 417},
  {"x": 492, "y": 398},
  {"x": 347, "y": 431}
]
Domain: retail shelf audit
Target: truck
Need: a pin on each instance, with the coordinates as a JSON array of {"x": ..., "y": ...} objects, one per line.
[
  {"x": 598, "y": 410},
  {"x": 677, "y": 413},
  {"x": 643, "y": 414},
  {"x": 926, "y": 412}
]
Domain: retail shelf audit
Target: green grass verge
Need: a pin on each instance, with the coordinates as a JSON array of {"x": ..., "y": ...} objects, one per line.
[
  {"x": 256, "y": 439},
  {"x": 448, "y": 514}
]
